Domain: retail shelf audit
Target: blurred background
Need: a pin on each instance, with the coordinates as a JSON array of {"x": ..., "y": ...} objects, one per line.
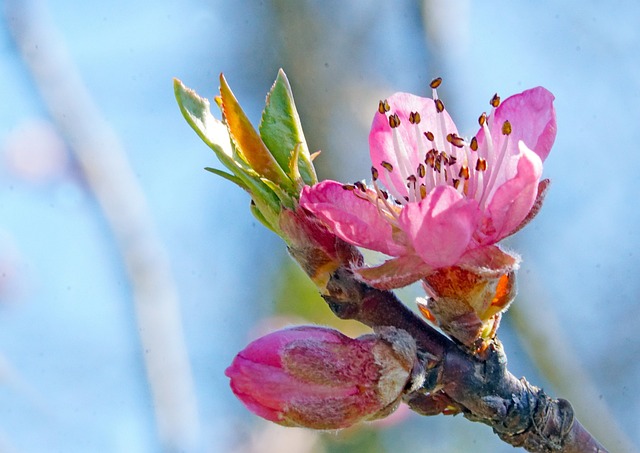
[{"x": 130, "y": 277}]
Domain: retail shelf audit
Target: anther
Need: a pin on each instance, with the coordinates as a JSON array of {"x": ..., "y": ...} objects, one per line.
[
  {"x": 360, "y": 185},
  {"x": 481, "y": 164},
  {"x": 435, "y": 83},
  {"x": 452, "y": 160},
  {"x": 495, "y": 101},
  {"x": 421, "y": 171},
  {"x": 394, "y": 120},
  {"x": 414, "y": 118},
  {"x": 456, "y": 141},
  {"x": 456, "y": 183},
  {"x": 474, "y": 144},
  {"x": 387, "y": 166},
  {"x": 423, "y": 191},
  {"x": 384, "y": 193},
  {"x": 506, "y": 128},
  {"x": 374, "y": 173},
  {"x": 430, "y": 158},
  {"x": 429, "y": 135},
  {"x": 464, "y": 172},
  {"x": 383, "y": 107},
  {"x": 349, "y": 187},
  {"x": 439, "y": 105},
  {"x": 482, "y": 119}
]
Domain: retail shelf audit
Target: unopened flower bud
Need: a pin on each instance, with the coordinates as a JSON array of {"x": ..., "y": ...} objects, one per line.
[{"x": 318, "y": 378}]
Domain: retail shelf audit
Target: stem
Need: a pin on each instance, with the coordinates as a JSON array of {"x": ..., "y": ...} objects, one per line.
[{"x": 481, "y": 388}]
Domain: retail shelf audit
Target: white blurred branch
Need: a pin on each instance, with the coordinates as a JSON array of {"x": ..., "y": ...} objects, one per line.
[{"x": 108, "y": 173}]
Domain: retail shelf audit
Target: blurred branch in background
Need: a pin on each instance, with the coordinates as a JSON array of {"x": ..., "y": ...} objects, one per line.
[{"x": 106, "y": 168}]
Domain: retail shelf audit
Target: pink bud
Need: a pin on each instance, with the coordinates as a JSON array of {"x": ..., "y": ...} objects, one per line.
[{"x": 318, "y": 378}]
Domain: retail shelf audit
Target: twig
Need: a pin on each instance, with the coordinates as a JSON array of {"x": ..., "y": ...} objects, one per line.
[
  {"x": 106, "y": 168},
  {"x": 481, "y": 388}
]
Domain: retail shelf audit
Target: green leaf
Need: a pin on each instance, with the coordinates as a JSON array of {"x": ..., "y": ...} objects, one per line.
[
  {"x": 214, "y": 133},
  {"x": 228, "y": 177},
  {"x": 247, "y": 140},
  {"x": 281, "y": 130}
]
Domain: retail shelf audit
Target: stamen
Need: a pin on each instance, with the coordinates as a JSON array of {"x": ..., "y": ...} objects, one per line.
[
  {"x": 495, "y": 101},
  {"x": 435, "y": 83},
  {"x": 360, "y": 185},
  {"x": 464, "y": 172},
  {"x": 387, "y": 166},
  {"x": 483, "y": 119},
  {"x": 394, "y": 121},
  {"x": 439, "y": 105},
  {"x": 414, "y": 118},
  {"x": 421, "y": 170},
  {"x": 423, "y": 191},
  {"x": 506, "y": 128},
  {"x": 455, "y": 140},
  {"x": 374, "y": 173},
  {"x": 349, "y": 187},
  {"x": 383, "y": 107},
  {"x": 481, "y": 164},
  {"x": 474, "y": 144},
  {"x": 429, "y": 136}
]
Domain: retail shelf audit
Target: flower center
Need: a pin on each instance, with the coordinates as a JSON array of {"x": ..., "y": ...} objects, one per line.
[{"x": 445, "y": 157}]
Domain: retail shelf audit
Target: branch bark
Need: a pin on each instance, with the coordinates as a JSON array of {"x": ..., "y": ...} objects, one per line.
[{"x": 481, "y": 388}]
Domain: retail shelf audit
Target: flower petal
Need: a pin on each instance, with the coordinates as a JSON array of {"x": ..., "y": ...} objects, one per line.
[
  {"x": 513, "y": 200},
  {"x": 532, "y": 117},
  {"x": 395, "y": 273},
  {"x": 414, "y": 145},
  {"x": 441, "y": 225},
  {"x": 350, "y": 217}
]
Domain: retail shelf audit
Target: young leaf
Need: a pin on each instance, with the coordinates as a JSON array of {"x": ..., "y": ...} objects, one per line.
[{"x": 281, "y": 130}]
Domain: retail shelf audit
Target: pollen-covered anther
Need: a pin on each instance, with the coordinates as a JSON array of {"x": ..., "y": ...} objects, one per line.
[
  {"x": 360, "y": 185},
  {"x": 430, "y": 158},
  {"x": 482, "y": 119},
  {"x": 374, "y": 173},
  {"x": 383, "y": 107},
  {"x": 435, "y": 83},
  {"x": 394, "y": 121},
  {"x": 429, "y": 136},
  {"x": 474, "y": 144},
  {"x": 506, "y": 128},
  {"x": 438, "y": 163},
  {"x": 423, "y": 191},
  {"x": 414, "y": 118},
  {"x": 349, "y": 187},
  {"x": 387, "y": 166},
  {"x": 481, "y": 164},
  {"x": 464, "y": 172},
  {"x": 421, "y": 171},
  {"x": 456, "y": 183},
  {"x": 439, "y": 105},
  {"x": 456, "y": 141},
  {"x": 495, "y": 101}
]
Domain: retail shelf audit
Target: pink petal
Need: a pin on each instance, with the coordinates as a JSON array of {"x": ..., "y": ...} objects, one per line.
[
  {"x": 441, "y": 225},
  {"x": 513, "y": 200},
  {"x": 381, "y": 141},
  {"x": 395, "y": 273},
  {"x": 351, "y": 218},
  {"x": 533, "y": 120}
]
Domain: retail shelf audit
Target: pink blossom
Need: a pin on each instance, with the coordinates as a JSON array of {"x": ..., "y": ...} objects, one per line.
[
  {"x": 436, "y": 195},
  {"x": 319, "y": 378}
]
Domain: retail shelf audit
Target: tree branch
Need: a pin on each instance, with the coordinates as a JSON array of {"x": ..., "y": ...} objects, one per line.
[{"x": 481, "y": 388}]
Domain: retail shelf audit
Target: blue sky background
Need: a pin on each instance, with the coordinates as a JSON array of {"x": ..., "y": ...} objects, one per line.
[{"x": 71, "y": 370}]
